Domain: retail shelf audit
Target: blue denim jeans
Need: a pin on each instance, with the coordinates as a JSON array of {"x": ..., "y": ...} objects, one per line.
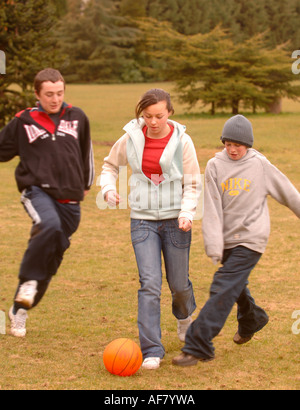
[
  {"x": 150, "y": 240},
  {"x": 229, "y": 286}
]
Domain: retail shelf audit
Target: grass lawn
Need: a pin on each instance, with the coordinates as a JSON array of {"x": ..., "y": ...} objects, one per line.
[{"x": 93, "y": 298}]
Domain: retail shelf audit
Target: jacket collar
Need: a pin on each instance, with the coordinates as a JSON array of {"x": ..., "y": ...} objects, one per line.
[
  {"x": 39, "y": 116},
  {"x": 135, "y": 131},
  {"x": 40, "y": 108}
]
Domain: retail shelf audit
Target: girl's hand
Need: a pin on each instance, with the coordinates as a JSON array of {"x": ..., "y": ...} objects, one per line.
[
  {"x": 112, "y": 198},
  {"x": 185, "y": 224}
]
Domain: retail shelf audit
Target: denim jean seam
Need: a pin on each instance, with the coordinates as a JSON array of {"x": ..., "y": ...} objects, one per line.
[
  {"x": 138, "y": 225},
  {"x": 136, "y": 231},
  {"x": 178, "y": 244}
]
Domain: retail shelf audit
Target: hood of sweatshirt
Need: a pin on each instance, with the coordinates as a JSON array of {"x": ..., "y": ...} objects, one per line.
[
  {"x": 39, "y": 116},
  {"x": 223, "y": 156},
  {"x": 135, "y": 131}
]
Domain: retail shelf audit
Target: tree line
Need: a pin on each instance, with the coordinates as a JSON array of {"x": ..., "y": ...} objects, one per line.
[{"x": 222, "y": 52}]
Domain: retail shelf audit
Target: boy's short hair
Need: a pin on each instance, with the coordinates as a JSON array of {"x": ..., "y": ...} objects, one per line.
[
  {"x": 238, "y": 129},
  {"x": 48, "y": 74}
]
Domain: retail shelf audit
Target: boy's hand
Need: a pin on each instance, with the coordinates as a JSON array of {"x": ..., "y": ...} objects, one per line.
[{"x": 215, "y": 260}]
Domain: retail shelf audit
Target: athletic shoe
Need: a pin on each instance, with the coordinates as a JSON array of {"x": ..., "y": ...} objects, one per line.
[
  {"x": 185, "y": 359},
  {"x": 26, "y": 294},
  {"x": 18, "y": 322},
  {"x": 239, "y": 340},
  {"x": 182, "y": 327},
  {"x": 151, "y": 363}
]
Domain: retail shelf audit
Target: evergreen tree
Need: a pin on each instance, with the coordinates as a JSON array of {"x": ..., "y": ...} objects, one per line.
[
  {"x": 61, "y": 7},
  {"x": 133, "y": 8},
  {"x": 281, "y": 18},
  {"x": 295, "y": 43},
  {"x": 213, "y": 69},
  {"x": 186, "y": 17},
  {"x": 26, "y": 39},
  {"x": 190, "y": 16},
  {"x": 98, "y": 43},
  {"x": 243, "y": 18},
  {"x": 100, "y": 40}
]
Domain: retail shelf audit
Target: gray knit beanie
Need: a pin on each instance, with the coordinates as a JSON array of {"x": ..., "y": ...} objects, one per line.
[{"x": 238, "y": 129}]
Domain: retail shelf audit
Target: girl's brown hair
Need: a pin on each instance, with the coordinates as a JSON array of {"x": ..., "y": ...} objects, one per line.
[
  {"x": 152, "y": 97},
  {"x": 49, "y": 74}
]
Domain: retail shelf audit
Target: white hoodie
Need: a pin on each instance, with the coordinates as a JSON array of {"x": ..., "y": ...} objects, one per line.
[
  {"x": 235, "y": 201},
  {"x": 177, "y": 196}
]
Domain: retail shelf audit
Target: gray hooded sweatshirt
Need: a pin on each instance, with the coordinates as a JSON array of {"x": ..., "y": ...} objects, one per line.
[{"x": 235, "y": 201}]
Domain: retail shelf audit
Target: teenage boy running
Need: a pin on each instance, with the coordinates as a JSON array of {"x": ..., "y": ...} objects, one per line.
[
  {"x": 56, "y": 170},
  {"x": 236, "y": 228}
]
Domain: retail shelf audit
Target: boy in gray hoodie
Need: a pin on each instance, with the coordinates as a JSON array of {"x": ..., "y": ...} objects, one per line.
[{"x": 236, "y": 228}]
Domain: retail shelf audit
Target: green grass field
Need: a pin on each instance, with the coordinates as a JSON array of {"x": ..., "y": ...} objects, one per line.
[{"x": 93, "y": 298}]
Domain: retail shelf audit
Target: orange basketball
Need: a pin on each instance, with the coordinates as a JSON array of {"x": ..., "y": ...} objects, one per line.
[{"x": 122, "y": 357}]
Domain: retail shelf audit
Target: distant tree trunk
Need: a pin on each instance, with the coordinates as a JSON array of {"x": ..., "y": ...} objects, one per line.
[
  {"x": 235, "y": 107},
  {"x": 275, "y": 107}
]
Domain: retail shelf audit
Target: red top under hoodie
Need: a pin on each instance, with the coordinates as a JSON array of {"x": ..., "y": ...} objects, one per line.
[{"x": 153, "y": 151}]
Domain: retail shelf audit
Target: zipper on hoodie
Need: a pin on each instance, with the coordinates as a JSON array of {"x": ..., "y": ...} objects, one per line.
[
  {"x": 57, "y": 125},
  {"x": 53, "y": 135}
]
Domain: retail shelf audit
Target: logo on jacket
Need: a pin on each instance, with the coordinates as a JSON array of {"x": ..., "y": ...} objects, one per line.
[
  {"x": 33, "y": 132},
  {"x": 69, "y": 127},
  {"x": 65, "y": 127},
  {"x": 234, "y": 186}
]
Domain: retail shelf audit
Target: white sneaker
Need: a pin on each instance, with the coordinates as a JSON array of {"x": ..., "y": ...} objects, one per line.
[
  {"x": 18, "y": 322},
  {"x": 26, "y": 294},
  {"x": 151, "y": 363},
  {"x": 182, "y": 327}
]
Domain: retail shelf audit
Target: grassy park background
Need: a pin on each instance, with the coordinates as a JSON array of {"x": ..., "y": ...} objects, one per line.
[{"x": 93, "y": 299}]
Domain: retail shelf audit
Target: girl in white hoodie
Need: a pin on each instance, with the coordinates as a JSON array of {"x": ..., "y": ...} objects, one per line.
[
  {"x": 235, "y": 228},
  {"x": 165, "y": 188}
]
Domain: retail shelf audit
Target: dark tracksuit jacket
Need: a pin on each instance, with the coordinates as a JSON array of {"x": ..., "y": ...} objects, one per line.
[
  {"x": 56, "y": 158},
  {"x": 56, "y": 167}
]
